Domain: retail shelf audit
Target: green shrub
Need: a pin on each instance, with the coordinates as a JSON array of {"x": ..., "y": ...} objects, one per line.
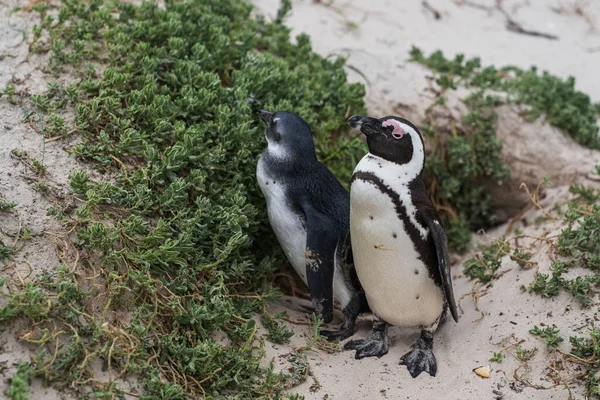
[{"x": 178, "y": 236}]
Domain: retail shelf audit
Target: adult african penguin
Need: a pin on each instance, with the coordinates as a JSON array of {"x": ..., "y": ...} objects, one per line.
[
  {"x": 400, "y": 248},
  {"x": 309, "y": 212}
]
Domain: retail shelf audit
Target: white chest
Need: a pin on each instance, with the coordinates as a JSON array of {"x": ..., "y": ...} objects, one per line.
[
  {"x": 395, "y": 280},
  {"x": 286, "y": 224}
]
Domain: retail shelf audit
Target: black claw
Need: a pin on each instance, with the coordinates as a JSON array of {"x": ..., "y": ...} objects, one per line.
[
  {"x": 421, "y": 357},
  {"x": 418, "y": 360}
]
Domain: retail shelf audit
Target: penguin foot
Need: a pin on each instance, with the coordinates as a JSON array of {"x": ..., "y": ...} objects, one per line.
[
  {"x": 351, "y": 312},
  {"x": 338, "y": 335},
  {"x": 421, "y": 357},
  {"x": 368, "y": 347}
]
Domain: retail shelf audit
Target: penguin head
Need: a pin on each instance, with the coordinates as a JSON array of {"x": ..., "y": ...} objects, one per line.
[
  {"x": 288, "y": 136},
  {"x": 392, "y": 138}
]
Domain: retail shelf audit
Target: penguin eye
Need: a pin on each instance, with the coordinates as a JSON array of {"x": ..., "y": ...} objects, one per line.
[
  {"x": 274, "y": 133},
  {"x": 397, "y": 131}
]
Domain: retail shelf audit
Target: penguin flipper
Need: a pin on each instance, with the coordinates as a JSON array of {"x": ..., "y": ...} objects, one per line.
[
  {"x": 321, "y": 242},
  {"x": 441, "y": 247}
]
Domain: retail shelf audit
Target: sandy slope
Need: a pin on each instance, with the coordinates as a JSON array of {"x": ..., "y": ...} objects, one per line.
[{"x": 376, "y": 35}]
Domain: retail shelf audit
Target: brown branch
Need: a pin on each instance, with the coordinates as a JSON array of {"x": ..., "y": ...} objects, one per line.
[
  {"x": 517, "y": 218},
  {"x": 511, "y": 24},
  {"x": 515, "y": 27},
  {"x": 429, "y": 7}
]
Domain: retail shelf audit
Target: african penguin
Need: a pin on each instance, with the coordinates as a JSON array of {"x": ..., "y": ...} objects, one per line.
[
  {"x": 309, "y": 212},
  {"x": 400, "y": 248}
]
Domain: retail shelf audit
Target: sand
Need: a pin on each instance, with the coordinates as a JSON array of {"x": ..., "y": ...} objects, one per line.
[{"x": 376, "y": 36}]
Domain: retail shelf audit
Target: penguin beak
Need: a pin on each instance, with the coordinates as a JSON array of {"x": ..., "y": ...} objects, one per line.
[
  {"x": 265, "y": 116},
  {"x": 366, "y": 125}
]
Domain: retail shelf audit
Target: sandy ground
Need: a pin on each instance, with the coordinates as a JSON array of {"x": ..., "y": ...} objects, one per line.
[
  {"x": 376, "y": 36},
  {"x": 459, "y": 347}
]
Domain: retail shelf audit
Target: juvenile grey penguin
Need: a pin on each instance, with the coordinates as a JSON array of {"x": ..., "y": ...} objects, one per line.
[
  {"x": 309, "y": 212},
  {"x": 400, "y": 248}
]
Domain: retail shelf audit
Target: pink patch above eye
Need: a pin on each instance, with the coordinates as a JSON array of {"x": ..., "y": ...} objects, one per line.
[{"x": 398, "y": 132}]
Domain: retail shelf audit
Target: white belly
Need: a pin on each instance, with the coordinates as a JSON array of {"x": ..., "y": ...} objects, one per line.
[
  {"x": 396, "y": 282},
  {"x": 286, "y": 224}
]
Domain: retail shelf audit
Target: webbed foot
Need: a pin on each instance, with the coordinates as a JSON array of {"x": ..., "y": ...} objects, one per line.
[
  {"x": 351, "y": 311},
  {"x": 368, "y": 347},
  {"x": 375, "y": 346},
  {"x": 421, "y": 357}
]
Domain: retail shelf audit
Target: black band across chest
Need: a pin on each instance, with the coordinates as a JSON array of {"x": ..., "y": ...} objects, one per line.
[{"x": 424, "y": 246}]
